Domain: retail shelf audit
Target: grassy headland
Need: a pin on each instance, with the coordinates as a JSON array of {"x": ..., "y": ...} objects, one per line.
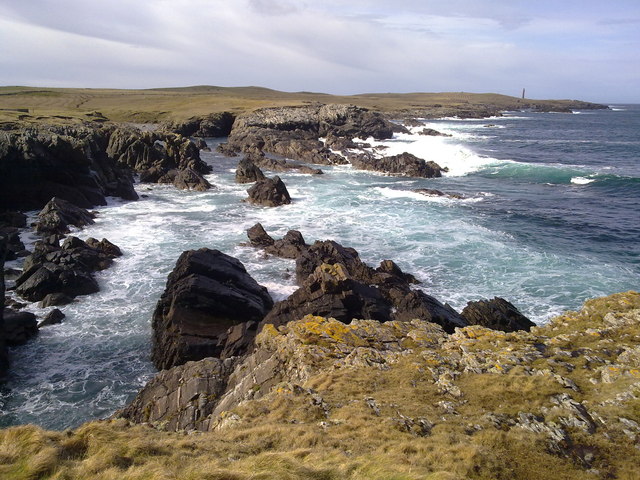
[{"x": 60, "y": 105}]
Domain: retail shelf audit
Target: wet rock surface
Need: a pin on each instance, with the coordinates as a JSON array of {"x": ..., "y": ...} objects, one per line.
[
  {"x": 58, "y": 215},
  {"x": 404, "y": 164}
]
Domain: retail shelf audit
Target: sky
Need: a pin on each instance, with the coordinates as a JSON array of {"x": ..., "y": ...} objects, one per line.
[{"x": 587, "y": 49}]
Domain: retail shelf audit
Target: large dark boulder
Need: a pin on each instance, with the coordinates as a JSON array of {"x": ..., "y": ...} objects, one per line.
[
  {"x": 19, "y": 327},
  {"x": 497, "y": 314},
  {"x": 207, "y": 293},
  {"x": 270, "y": 192},
  {"x": 51, "y": 278},
  {"x": 58, "y": 214},
  {"x": 248, "y": 172},
  {"x": 404, "y": 164},
  {"x": 189, "y": 179}
]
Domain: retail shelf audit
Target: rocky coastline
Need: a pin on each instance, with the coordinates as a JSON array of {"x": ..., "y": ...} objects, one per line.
[{"x": 226, "y": 351}]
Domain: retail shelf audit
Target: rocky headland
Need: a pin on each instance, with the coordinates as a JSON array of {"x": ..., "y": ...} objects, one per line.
[{"x": 290, "y": 389}]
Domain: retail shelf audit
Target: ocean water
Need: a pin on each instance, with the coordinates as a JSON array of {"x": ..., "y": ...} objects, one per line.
[{"x": 551, "y": 217}]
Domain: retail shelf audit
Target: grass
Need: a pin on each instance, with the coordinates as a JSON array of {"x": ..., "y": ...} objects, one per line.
[
  {"x": 161, "y": 104},
  {"x": 367, "y": 424}
]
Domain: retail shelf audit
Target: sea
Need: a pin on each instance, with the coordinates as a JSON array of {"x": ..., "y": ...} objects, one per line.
[{"x": 550, "y": 218}]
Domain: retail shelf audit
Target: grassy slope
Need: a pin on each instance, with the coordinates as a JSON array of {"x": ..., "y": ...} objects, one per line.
[
  {"x": 160, "y": 104},
  {"x": 286, "y": 435}
]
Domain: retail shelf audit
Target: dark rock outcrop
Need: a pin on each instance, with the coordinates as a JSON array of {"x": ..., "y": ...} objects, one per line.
[
  {"x": 289, "y": 246},
  {"x": 280, "y": 165},
  {"x": 248, "y": 172},
  {"x": 55, "y": 273},
  {"x": 330, "y": 292},
  {"x": 10, "y": 225},
  {"x": 71, "y": 163},
  {"x": 432, "y": 133},
  {"x": 294, "y": 132},
  {"x": 497, "y": 314},
  {"x": 19, "y": 327},
  {"x": 58, "y": 214},
  {"x": 331, "y": 252},
  {"x": 404, "y": 164},
  {"x": 189, "y": 179},
  {"x": 207, "y": 293},
  {"x": 270, "y": 192}
]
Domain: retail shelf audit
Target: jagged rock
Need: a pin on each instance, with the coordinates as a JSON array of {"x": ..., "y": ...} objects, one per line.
[
  {"x": 54, "y": 317},
  {"x": 289, "y": 246},
  {"x": 248, "y": 172},
  {"x": 430, "y": 192},
  {"x": 207, "y": 293},
  {"x": 331, "y": 252},
  {"x": 189, "y": 179},
  {"x": 330, "y": 292},
  {"x": 19, "y": 327},
  {"x": 70, "y": 163},
  {"x": 258, "y": 237},
  {"x": 270, "y": 192},
  {"x": 405, "y": 164},
  {"x": 15, "y": 247},
  {"x": 58, "y": 214},
  {"x": 65, "y": 269},
  {"x": 280, "y": 165},
  {"x": 497, "y": 314}
]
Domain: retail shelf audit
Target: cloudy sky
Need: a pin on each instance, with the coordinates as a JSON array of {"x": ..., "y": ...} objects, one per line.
[{"x": 586, "y": 49}]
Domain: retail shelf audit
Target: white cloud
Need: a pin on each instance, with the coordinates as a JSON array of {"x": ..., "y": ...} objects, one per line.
[{"x": 322, "y": 45}]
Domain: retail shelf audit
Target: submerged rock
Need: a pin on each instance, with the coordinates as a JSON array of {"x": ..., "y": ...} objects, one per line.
[{"x": 207, "y": 293}]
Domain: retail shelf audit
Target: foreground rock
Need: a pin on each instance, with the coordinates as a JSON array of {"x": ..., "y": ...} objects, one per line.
[
  {"x": 19, "y": 327},
  {"x": 207, "y": 293},
  {"x": 58, "y": 272},
  {"x": 270, "y": 192},
  {"x": 4, "y": 355},
  {"x": 405, "y": 164}
]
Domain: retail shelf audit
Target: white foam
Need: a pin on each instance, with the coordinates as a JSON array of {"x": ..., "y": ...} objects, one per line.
[
  {"x": 581, "y": 180},
  {"x": 459, "y": 159}
]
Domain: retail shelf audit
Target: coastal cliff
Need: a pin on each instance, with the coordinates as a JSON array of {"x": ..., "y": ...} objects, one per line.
[{"x": 557, "y": 402}]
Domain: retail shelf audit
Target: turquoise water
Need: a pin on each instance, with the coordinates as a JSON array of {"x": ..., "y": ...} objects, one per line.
[{"x": 550, "y": 219}]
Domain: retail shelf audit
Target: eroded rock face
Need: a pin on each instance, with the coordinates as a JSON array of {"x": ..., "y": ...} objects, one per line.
[
  {"x": 498, "y": 314},
  {"x": 212, "y": 125},
  {"x": 405, "y": 164},
  {"x": 270, "y": 192},
  {"x": 70, "y": 163},
  {"x": 4, "y": 355},
  {"x": 293, "y": 132},
  {"x": 189, "y": 179},
  {"x": 290, "y": 246},
  {"x": 207, "y": 293}
]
